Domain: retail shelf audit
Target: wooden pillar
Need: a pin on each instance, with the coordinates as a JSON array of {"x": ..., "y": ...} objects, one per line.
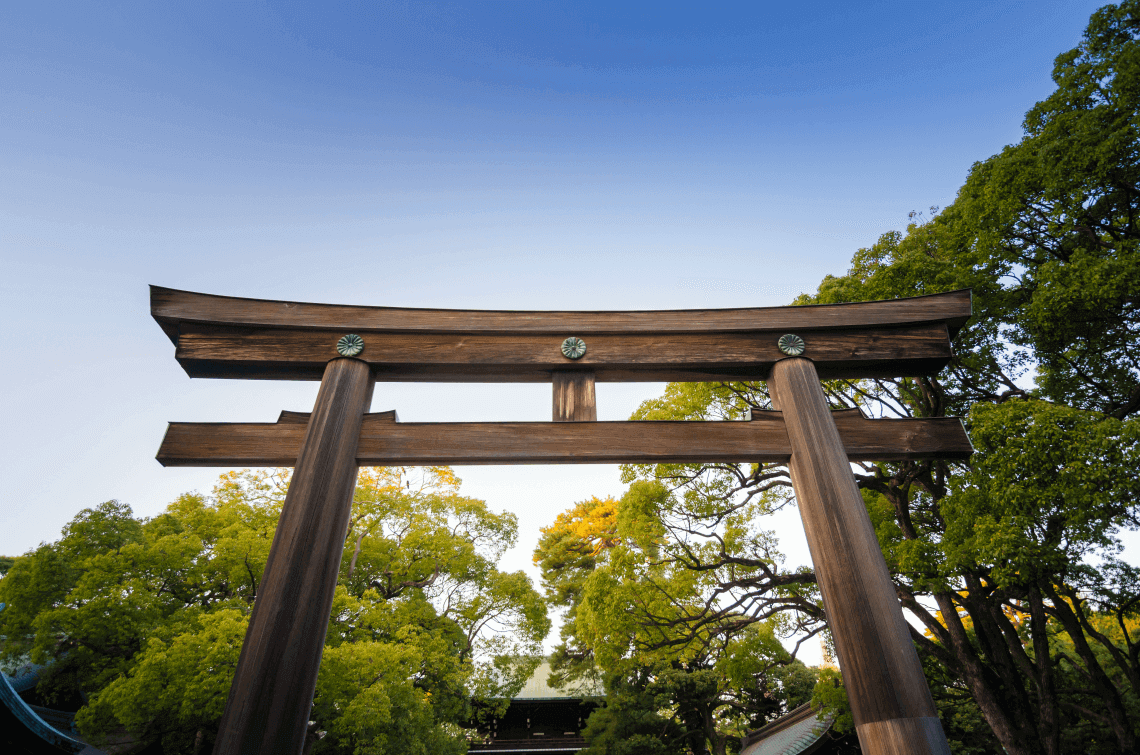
[
  {"x": 574, "y": 399},
  {"x": 894, "y": 713},
  {"x": 272, "y": 692}
]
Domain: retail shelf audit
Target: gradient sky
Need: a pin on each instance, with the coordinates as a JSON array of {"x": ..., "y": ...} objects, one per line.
[{"x": 501, "y": 155}]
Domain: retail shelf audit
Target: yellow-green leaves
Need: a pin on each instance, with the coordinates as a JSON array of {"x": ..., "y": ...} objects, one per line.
[
  {"x": 146, "y": 617},
  {"x": 175, "y": 685}
]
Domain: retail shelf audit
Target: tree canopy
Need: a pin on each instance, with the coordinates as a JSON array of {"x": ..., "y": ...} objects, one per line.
[
  {"x": 688, "y": 667},
  {"x": 142, "y": 620}
]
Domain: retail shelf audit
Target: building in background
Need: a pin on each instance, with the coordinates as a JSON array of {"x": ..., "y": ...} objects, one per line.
[
  {"x": 799, "y": 732},
  {"x": 540, "y": 719},
  {"x": 29, "y": 727}
]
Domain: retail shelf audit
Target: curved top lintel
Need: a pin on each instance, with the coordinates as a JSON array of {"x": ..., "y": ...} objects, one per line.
[{"x": 171, "y": 307}]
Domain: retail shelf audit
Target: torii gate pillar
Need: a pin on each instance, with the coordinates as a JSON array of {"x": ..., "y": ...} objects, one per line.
[
  {"x": 890, "y": 700},
  {"x": 272, "y": 693}
]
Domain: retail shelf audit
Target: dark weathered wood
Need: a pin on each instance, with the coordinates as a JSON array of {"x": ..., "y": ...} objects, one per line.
[
  {"x": 171, "y": 308},
  {"x": 903, "y": 736},
  {"x": 272, "y": 691},
  {"x": 891, "y": 703},
  {"x": 574, "y": 398},
  {"x": 384, "y": 442},
  {"x": 302, "y": 418},
  {"x": 295, "y": 354}
]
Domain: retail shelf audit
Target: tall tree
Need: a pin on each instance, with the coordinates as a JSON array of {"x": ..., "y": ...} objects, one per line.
[
  {"x": 692, "y": 656},
  {"x": 1045, "y": 232},
  {"x": 145, "y": 618}
]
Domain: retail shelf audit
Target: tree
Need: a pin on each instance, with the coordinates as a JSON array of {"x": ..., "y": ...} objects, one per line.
[
  {"x": 691, "y": 662},
  {"x": 145, "y": 618},
  {"x": 633, "y": 721},
  {"x": 1059, "y": 211}
]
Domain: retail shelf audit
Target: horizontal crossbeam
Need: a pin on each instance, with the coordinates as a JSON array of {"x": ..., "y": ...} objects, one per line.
[
  {"x": 226, "y": 337},
  {"x": 386, "y": 442},
  {"x": 303, "y": 354}
]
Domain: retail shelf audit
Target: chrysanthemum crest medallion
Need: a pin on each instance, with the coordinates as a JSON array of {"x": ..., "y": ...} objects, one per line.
[
  {"x": 573, "y": 348},
  {"x": 350, "y": 345},
  {"x": 791, "y": 344}
]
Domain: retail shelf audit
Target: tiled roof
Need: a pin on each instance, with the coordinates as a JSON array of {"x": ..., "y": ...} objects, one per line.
[
  {"x": 793, "y": 733},
  {"x": 32, "y": 718}
]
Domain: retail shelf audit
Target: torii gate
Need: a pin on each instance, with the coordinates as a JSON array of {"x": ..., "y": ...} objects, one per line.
[{"x": 349, "y": 348}]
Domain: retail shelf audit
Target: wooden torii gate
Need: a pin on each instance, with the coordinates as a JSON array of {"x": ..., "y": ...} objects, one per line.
[{"x": 349, "y": 348}]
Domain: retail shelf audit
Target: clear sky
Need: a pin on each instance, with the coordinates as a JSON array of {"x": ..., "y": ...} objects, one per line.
[{"x": 591, "y": 155}]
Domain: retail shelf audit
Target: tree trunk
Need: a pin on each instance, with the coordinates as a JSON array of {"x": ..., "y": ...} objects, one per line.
[
  {"x": 1109, "y": 694},
  {"x": 1047, "y": 704},
  {"x": 355, "y": 553},
  {"x": 1014, "y": 739},
  {"x": 986, "y": 614}
]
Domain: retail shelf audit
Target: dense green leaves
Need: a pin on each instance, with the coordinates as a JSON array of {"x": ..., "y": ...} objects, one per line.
[
  {"x": 1049, "y": 486},
  {"x": 679, "y": 616},
  {"x": 144, "y": 619},
  {"x": 174, "y": 689},
  {"x": 1061, "y": 208}
]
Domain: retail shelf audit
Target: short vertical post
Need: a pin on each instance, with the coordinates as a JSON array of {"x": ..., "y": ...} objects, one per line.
[
  {"x": 272, "y": 692},
  {"x": 574, "y": 399},
  {"x": 894, "y": 713}
]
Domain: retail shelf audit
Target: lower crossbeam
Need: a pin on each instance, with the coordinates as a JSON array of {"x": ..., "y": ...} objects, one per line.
[{"x": 386, "y": 442}]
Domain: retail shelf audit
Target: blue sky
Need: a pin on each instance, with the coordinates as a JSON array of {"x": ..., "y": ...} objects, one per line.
[{"x": 491, "y": 155}]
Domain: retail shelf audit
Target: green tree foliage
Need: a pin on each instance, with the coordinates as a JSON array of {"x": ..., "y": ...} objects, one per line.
[
  {"x": 1059, "y": 211},
  {"x": 1030, "y": 627},
  {"x": 691, "y": 662},
  {"x": 635, "y": 718},
  {"x": 144, "y": 619}
]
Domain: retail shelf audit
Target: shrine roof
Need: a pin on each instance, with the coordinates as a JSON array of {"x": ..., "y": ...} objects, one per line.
[
  {"x": 36, "y": 728},
  {"x": 797, "y": 732}
]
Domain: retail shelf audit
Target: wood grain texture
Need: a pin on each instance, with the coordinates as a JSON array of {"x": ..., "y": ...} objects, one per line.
[
  {"x": 302, "y": 418},
  {"x": 384, "y": 442},
  {"x": 880, "y": 666},
  {"x": 272, "y": 692},
  {"x": 574, "y": 397},
  {"x": 171, "y": 308},
  {"x": 904, "y": 736},
  {"x": 298, "y": 354}
]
